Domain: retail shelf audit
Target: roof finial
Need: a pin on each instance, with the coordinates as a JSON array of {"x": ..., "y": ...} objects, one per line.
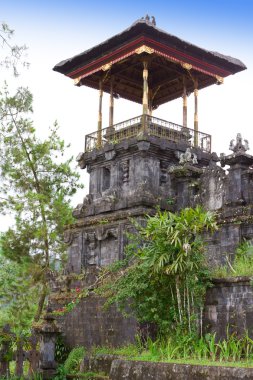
[
  {"x": 239, "y": 147},
  {"x": 147, "y": 18},
  {"x": 153, "y": 21}
]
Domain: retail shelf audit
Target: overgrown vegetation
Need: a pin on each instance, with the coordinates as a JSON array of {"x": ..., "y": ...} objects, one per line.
[
  {"x": 164, "y": 275},
  {"x": 185, "y": 348},
  {"x": 74, "y": 359},
  {"x": 242, "y": 265}
]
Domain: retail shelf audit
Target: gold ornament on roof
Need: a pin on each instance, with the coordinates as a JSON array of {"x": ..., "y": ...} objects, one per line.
[
  {"x": 186, "y": 66},
  {"x": 107, "y": 66},
  {"x": 144, "y": 49},
  {"x": 77, "y": 80},
  {"x": 219, "y": 79}
]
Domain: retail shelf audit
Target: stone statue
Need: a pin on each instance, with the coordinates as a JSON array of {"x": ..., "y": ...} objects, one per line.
[
  {"x": 231, "y": 145},
  {"x": 239, "y": 147},
  {"x": 188, "y": 156},
  {"x": 194, "y": 158}
]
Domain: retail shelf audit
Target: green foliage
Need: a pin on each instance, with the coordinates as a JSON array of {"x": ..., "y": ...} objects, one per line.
[
  {"x": 61, "y": 373},
  {"x": 164, "y": 275},
  {"x": 128, "y": 350},
  {"x": 92, "y": 376},
  {"x": 18, "y": 295},
  {"x": 242, "y": 264},
  {"x": 74, "y": 359},
  {"x": 13, "y": 377},
  {"x": 190, "y": 347},
  {"x": 61, "y": 351},
  {"x": 36, "y": 186}
]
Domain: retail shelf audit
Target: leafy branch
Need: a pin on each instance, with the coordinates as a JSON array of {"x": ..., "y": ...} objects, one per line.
[{"x": 14, "y": 53}]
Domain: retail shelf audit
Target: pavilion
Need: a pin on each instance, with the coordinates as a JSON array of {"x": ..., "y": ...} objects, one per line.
[{"x": 149, "y": 66}]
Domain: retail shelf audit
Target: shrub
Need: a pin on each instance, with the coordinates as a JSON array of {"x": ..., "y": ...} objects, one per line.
[{"x": 73, "y": 361}]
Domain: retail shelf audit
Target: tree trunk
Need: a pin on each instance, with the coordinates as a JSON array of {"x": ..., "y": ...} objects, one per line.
[{"x": 41, "y": 303}]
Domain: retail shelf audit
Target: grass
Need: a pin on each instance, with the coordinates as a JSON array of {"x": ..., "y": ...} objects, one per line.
[
  {"x": 89, "y": 376},
  {"x": 239, "y": 364},
  {"x": 129, "y": 350},
  {"x": 241, "y": 266},
  {"x": 232, "y": 351}
]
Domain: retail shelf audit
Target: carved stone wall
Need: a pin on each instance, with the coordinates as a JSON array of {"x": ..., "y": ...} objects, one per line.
[
  {"x": 229, "y": 305},
  {"x": 100, "y": 240},
  {"x": 129, "y": 180},
  {"x": 90, "y": 325},
  {"x": 136, "y": 173}
]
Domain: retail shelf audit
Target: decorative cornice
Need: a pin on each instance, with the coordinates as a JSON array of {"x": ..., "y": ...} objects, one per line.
[
  {"x": 144, "y": 49},
  {"x": 150, "y": 46}
]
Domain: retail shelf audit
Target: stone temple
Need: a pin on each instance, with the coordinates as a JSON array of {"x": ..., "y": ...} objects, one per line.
[{"x": 145, "y": 162}]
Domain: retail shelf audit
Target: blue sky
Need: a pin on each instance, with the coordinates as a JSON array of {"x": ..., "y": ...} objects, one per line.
[
  {"x": 55, "y": 30},
  {"x": 225, "y": 22}
]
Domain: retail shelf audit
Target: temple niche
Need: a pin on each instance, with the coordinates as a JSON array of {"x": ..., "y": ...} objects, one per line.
[{"x": 144, "y": 162}]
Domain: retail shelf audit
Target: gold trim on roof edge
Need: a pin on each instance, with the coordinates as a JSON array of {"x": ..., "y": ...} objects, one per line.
[{"x": 144, "y": 49}]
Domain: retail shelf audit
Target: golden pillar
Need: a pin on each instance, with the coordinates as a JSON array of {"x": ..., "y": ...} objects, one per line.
[
  {"x": 184, "y": 104},
  {"x": 145, "y": 93},
  {"x": 150, "y": 103},
  {"x": 111, "y": 106},
  {"x": 100, "y": 113},
  {"x": 196, "y": 121}
]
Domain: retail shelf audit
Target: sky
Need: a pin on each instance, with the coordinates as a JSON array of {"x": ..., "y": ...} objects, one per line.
[{"x": 55, "y": 30}]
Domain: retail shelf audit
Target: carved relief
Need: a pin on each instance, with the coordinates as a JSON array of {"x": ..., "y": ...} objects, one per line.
[
  {"x": 163, "y": 172},
  {"x": 109, "y": 250},
  {"x": 91, "y": 254},
  {"x": 102, "y": 234},
  {"x": 100, "y": 246},
  {"x": 213, "y": 187},
  {"x": 68, "y": 237},
  {"x": 125, "y": 171},
  {"x": 144, "y": 49}
]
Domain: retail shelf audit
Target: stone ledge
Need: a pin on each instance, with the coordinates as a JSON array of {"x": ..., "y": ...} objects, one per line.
[
  {"x": 137, "y": 370},
  {"x": 232, "y": 280},
  {"x": 114, "y": 216}
]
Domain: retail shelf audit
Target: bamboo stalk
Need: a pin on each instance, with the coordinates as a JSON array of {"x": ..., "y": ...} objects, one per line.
[{"x": 179, "y": 301}]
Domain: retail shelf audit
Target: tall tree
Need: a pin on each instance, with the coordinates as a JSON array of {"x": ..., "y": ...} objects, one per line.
[
  {"x": 12, "y": 53},
  {"x": 36, "y": 186},
  {"x": 18, "y": 294}
]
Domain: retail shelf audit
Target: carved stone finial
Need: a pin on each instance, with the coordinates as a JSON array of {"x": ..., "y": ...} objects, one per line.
[
  {"x": 153, "y": 21},
  {"x": 147, "y": 18},
  {"x": 188, "y": 156},
  {"x": 239, "y": 147}
]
